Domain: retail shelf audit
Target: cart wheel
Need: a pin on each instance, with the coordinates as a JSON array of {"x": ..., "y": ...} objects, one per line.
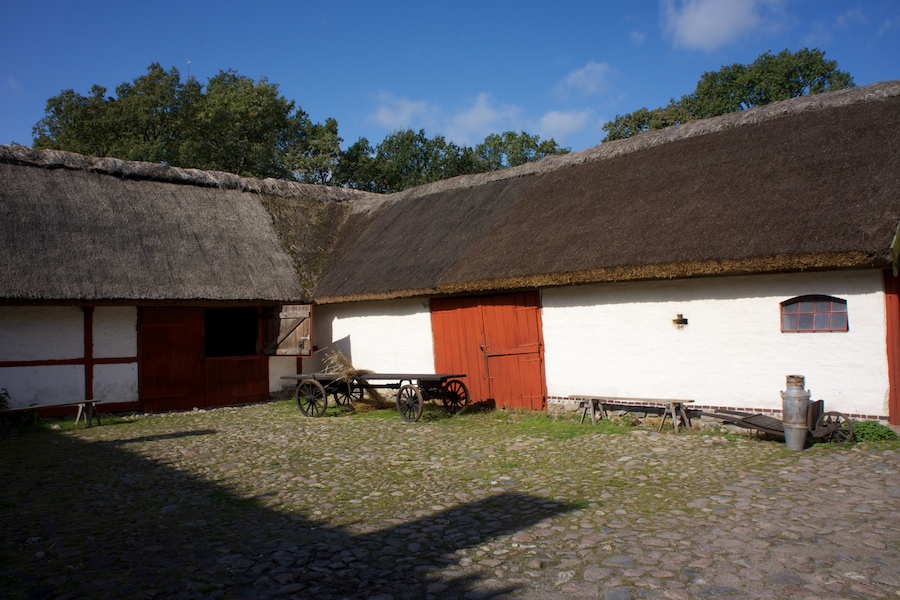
[
  {"x": 346, "y": 392},
  {"x": 311, "y": 398},
  {"x": 455, "y": 397},
  {"x": 410, "y": 403},
  {"x": 841, "y": 426}
]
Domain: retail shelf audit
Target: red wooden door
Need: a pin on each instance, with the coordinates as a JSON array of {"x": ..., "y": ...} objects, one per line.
[
  {"x": 496, "y": 341},
  {"x": 892, "y": 304},
  {"x": 175, "y": 373},
  {"x": 236, "y": 379},
  {"x": 170, "y": 369}
]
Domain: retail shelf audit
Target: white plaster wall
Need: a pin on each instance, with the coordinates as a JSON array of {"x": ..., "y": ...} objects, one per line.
[
  {"x": 35, "y": 333},
  {"x": 41, "y": 333},
  {"x": 115, "y": 383},
  {"x": 619, "y": 340},
  {"x": 387, "y": 337},
  {"x": 115, "y": 331},
  {"x": 43, "y": 386},
  {"x": 280, "y": 366}
]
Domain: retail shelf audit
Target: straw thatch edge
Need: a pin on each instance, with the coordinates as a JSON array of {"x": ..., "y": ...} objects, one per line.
[
  {"x": 147, "y": 171},
  {"x": 731, "y": 267}
]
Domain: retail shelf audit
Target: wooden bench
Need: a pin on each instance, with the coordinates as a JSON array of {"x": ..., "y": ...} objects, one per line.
[
  {"x": 668, "y": 406},
  {"x": 87, "y": 410}
]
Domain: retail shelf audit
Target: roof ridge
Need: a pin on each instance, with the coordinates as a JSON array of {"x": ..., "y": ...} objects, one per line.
[{"x": 148, "y": 171}]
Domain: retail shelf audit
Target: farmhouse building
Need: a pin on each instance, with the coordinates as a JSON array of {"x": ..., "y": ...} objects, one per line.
[{"x": 704, "y": 261}]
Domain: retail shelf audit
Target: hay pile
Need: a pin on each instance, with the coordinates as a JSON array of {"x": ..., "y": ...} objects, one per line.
[{"x": 370, "y": 398}]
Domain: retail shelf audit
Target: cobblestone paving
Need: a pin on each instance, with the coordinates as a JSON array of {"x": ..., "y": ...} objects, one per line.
[{"x": 259, "y": 502}]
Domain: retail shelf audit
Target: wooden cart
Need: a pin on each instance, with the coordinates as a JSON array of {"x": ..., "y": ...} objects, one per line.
[
  {"x": 413, "y": 390},
  {"x": 826, "y": 426}
]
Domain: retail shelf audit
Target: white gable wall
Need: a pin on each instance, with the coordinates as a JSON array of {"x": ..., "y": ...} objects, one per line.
[
  {"x": 619, "y": 340},
  {"x": 386, "y": 337}
]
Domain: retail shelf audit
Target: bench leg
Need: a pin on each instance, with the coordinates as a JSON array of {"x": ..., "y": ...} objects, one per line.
[
  {"x": 667, "y": 411},
  {"x": 89, "y": 412}
]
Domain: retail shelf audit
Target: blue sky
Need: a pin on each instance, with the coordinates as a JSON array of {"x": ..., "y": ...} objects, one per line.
[{"x": 461, "y": 69}]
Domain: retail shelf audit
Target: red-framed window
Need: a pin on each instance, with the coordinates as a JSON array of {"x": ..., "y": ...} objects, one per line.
[{"x": 810, "y": 314}]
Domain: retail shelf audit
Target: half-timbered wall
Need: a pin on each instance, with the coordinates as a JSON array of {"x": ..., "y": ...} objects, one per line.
[
  {"x": 58, "y": 355},
  {"x": 620, "y": 340}
]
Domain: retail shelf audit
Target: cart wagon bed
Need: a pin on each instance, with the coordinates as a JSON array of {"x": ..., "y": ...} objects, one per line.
[{"x": 413, "y": 390}]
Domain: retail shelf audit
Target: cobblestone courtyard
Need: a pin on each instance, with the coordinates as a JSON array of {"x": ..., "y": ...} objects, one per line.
[{"x": 260, "y": 502}]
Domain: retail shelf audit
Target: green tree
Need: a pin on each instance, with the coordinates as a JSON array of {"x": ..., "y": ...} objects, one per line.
[
  {"x": 511, "y": 149},
  {"x": 407, "y": 158},
  {"x": 234, "y": 124},
  {"x": 404, "y": 159},
  {"x": 356, "y": 167},
  {"x": 767, "y": 79}
]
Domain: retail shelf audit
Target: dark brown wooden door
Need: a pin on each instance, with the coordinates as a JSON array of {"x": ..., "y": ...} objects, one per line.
[
  {"x": 170, "y": 369},
  {"x": 497, "y": 342},
  {"x": 175, "y": 373}
]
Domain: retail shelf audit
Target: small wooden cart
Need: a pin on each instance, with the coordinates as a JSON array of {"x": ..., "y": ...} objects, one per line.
[
  {"x": 825, "y": 426},
  {"x": 413, "y": 390}
]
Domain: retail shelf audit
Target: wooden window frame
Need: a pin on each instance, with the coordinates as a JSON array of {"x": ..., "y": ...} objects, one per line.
[{"x": 795, "y": 308}]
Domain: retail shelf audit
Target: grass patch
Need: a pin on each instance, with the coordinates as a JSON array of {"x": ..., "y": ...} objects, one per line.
[{"x": 541, "y": 425}]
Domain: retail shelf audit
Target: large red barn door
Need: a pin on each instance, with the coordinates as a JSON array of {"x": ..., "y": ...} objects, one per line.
[
  {"x": 496, "y": 341},
  {"x": 171, "y": 370}
]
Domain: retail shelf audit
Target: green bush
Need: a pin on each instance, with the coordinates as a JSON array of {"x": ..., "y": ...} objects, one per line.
[{"x": 872, "y": 431}]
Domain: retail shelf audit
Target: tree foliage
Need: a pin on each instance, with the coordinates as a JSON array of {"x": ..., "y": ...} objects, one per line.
[
  {"x": 512, "y": 149},
  {"x": 407, "y": 158},
  {"x": 247, "y": 127},
  {"x": 767, "y": 79},
  {"x": 234, "y": 124}
]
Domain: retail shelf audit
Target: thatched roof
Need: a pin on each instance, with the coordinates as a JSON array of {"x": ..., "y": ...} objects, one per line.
[
  {"x": 809, "y": 183},
  {"x": 103, "y": 230}
]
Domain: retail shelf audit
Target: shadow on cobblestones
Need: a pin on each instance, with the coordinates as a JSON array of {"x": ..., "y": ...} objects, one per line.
[{"x": 92, "y": 519}]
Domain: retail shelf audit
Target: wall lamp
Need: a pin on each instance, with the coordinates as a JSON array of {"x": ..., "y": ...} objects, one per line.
[{"x": 680, "y": 320}]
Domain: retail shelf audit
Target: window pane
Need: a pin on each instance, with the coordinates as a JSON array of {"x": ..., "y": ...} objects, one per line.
[
  {"x": 821, "y": 322},
  {"x": 806, "y": 306},
  {"x": 790, "y": 308},
  {"x": 789, "y": 322},
  {"x": 839, "y": 322},
  {"x": 823, "y": 305},
  {"x": 839, "y": 307},
  {"x": 805, "y": 323}
]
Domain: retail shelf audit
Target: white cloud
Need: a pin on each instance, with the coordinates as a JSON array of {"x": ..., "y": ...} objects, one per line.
[
  {"x": 637, "y": 37},
  {"x": 13, "y": 84},
  {"x": 481, "y": 116},
  {"x": 484, "y": 116},
  {"x": 711, "y": 24},
  {"x": 402, "y": 113},
  {"x": 560, "y": 125},
  {"x": 850, "y": 18},
  {"x": 590, "y": 80}
]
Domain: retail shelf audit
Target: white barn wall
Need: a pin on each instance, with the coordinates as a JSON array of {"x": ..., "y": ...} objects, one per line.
[
  {"x": 391, "y": 336},
  {"x": 41, "y": 333},
  {"x": 36, "y": 387},
  {"x": 115, "y": 383},
  {"x": 115, "y": 331},
  {"x": 280, "y": 366},
  {"x": 619, "y": 340},
  {"x": 52, "y": 333}
]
